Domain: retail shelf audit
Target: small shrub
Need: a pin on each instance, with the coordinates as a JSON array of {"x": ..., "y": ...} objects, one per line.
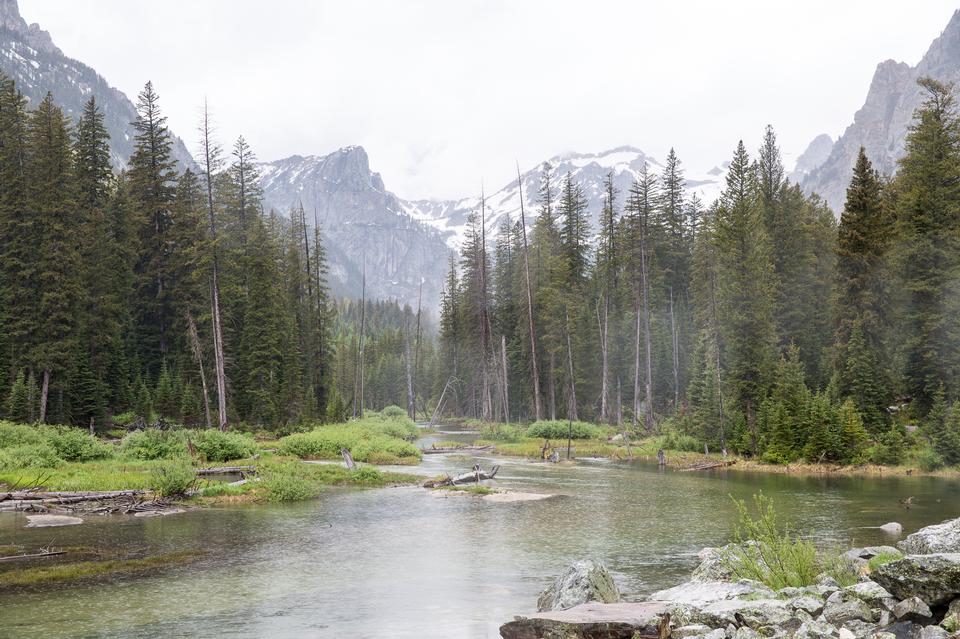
[
  {"x": 218, "y": 446},
  {"x": 673, "y": 440},
  {"x": 501, "y": 432},
  {"x": 73, "y": 444},
  {"x": 393, "y": 411},
  {"x": 125, "y": 419},
  {"x": 558, "y": 429},
  {"x": 173, "y": 478},
  {"x": 768, "y": 553},
  {"x": 928, "y": 461},
  {"x": 367, "y": 475},
  {"x": 221, "y": 489},
  {"x": 17, "y": 434},
  {"x": 154, "y": 444},
  {"x": 29, "y": 456},
  {"x": 288, "y": 481}
]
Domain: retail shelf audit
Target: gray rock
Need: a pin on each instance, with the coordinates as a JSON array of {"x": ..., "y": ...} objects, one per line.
[
  {"x": 49, "y": 521},
  {"x": 869, "y": 552},
  {"x": 951, "y": 620},
  {"x": 858, "y": 629},
  {"x": 912, "y": 609},
  {"x": 693, "y": 630},
  {"x": 868, "y": 591},
  {"x": 817, "y": 630},
  {"x": 714, "y": 563},
  {"x": 934, "y": 632},
  {"x": 584, "y": 581},
  {"x": 746, "y": 633},
  {"x": 943, "y": 537},
  {"x": 826, "y": 581},
  {"x": 591, "y": 620},
  {"x": 893, "y": 529},
  {"x": 719, "y": 633},
  {"x": 934, "y": 578},
  {"x": 702, "y": 592},
  {"x": 885, "y": 618},
  {"x": 883, "y": 635},
  {"x": 840, "y": 613},
  {"x": 753, "y": 613},
  {"x": 810, "y": 605},
  {"x": 905, "y": 630}
]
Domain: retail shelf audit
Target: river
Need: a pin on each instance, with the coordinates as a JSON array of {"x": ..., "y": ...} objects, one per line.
[{"x": 402, "y": 562}]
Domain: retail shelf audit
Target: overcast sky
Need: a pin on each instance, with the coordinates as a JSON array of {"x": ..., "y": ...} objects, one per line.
[{"x": 445, "y": 93}]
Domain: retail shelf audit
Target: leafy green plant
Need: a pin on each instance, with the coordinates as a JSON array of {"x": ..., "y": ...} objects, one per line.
[
  {"x": 215, "y": 445},
  {"x": 393, "y": 411},
  {"x": 883, "y": 558},
  {"x": 17, "y": 434},
  {"x": 29, "y": 456},
  {"x": 558, "y": 429},
  {"x": 152, "y": 443},
  {"x": 501, "y": 432},
  {"x": 767, "y": 552},
  {"x": 928, "y": 460},
  {"x": 172, "y": 478},
  {"x": 73, "y": 444},
  {"x": 288, "y": 481}
]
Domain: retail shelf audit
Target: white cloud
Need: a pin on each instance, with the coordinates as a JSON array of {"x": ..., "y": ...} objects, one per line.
[{"x": 446, "y": 94}]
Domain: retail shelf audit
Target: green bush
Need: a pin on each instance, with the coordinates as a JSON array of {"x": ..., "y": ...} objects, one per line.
[
  {"x": 173, "y": 478},
  {"x": 927, "y": 460},
  {"x": 501, "y": 432},
  {"x": 218, "y": 446},
  {"x": 367, "y": 475},
  {"x": 125, "y": 419},
  {"x": 557, "y": 429},
  {"x": 767, "y": 552},
  {"x": 673, "y": 440},
  {"x": 368, "y": 441},
  {"x": 383, "y": 449},
  {"x": 288, "y": 481},
  {"x": 154, "y": 444},
  {"x": 29, "y": 456},
  {"x": 75, "y": 445},
  {"x": 17, "y": 434},
  {"x": 393, "y": 411}
]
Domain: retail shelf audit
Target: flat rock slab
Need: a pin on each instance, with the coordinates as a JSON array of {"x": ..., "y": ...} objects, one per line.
[
  {"x": 48, "y": 521},
  {"x": 703, "y": 592},
  {"x": 591, "y": 621}
]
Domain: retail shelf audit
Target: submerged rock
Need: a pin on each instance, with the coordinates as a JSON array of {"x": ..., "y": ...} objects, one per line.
[
  {"x": 943, "y": 537},
  {"x": 45, "y": 521},
  {"x": 933, "y": 578},
  {"x": 584, "y": 581},
  {"x": 892, "y": 528}
]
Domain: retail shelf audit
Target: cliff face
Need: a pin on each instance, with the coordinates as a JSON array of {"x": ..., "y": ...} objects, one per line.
[
  {"x": 362, "y": 223},
  {"x": 29, "y": 56},
  {"x": 881, "y": 124}
]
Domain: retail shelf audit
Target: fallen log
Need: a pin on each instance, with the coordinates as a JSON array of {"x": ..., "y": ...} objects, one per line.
[
  {"x": 226, "y": 470},
  {"x": 435, "y": 450},
  {"x": 33, "y": 556},
  {"x": 709, "y": 465},
  {"x": 38, "y": 501},
  {"x": 472, "y": 477},
  {"x": 65, "y": 494}
]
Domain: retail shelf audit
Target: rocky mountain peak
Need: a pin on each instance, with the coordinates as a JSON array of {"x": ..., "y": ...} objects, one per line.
[{"x": 11, "y": 20}]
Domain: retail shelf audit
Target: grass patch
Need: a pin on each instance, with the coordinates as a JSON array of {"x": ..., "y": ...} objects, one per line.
[
  {"x": 375, "y": 440},
  {"x": 107, "y": 474},
  {"x": 86, "y": 569},
  {"x": 883, "y": 558},
  {"x": 472, "y": 490}
]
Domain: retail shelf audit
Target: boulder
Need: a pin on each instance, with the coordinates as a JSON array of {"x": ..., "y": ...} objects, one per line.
[
  {"x": 810, "y": 605},
  {"x": 943, "y": 537},
  {"x": 892, "y": 528},
  {"x": 933, "y": 578},
  {"x": 858, "y": 630},
  {"x": 703, "y": 592},
  {"x": 582, "y": 582},
  {"x": 754, "y": 613},
  {"x": 912, "y": 609},
  {"x": 853, "y": 610},
  {"x": 693, "y": 630},
  {"x": 592, "y": 621},
  {"x": 934, "y": 632},
  {"x": 868, "y": 591},
  {"x": 816, "y": 630},
  {"x": 869, "y": 552},
  {"x": 951, "y": 620}
]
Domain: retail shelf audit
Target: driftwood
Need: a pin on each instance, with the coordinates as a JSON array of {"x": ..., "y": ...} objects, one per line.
[
  {"x": 435, "y": 450},
  {"x": 348, "y": 459},
  {"x": 226, "y": 470},
  {"x": 475, "y": 476},
  {"x": 33, "y": 556},
  {"x": 110, "y": 501},
  {"x": 707, "y": 465}
]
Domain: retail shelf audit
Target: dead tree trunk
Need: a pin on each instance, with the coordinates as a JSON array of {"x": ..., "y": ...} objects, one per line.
[
  {"x": 573, "y": 385},
  {"x": 44, "y": 394},
  {"x": 604, "y": 382},
  {"x": 506, "y": 381},
  {"x": 535, "y": 372},
  {"x": 636, "y": 369},
  {"x": 648, "y": 381},
  {"x": 411, "y": 408},
  {"x": 198, "y": 355},
  {"x": 676, "y": 354},
  {"x": 416, "y": 353},
  {"x": 553, "y": 387}
]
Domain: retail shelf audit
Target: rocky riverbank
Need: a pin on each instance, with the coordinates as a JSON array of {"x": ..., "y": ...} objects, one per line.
[{"x": 914, "y": 597}]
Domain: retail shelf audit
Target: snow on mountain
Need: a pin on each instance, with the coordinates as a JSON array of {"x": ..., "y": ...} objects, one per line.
[{"x": 589, "y": 170}]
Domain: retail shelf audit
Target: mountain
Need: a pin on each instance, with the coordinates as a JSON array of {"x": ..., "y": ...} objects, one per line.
[
  {"x": 813, "y": 157},
  {"x": 881, "y": 124},
  {"x": 589, "y": 170},
  {"x": 29, "y": 56},
  {"x": 362, "y": 224}
]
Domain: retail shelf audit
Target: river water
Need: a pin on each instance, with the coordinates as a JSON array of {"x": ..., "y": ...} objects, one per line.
[{"x": 405, "y": 562}]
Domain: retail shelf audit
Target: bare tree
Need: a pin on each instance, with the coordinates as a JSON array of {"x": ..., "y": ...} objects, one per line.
[{"x": 535, "y": 371}]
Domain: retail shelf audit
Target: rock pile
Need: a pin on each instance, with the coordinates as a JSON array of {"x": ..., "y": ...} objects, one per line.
[{"x": 914, "y": 597}]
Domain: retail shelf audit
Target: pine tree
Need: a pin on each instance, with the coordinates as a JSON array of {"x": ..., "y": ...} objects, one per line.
[
  {"x": 928, "y": 188},
  {"x": 863, "y": 380},
  {"x": 152, "y": 187},
  {"x": 18, "y": 402}
]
